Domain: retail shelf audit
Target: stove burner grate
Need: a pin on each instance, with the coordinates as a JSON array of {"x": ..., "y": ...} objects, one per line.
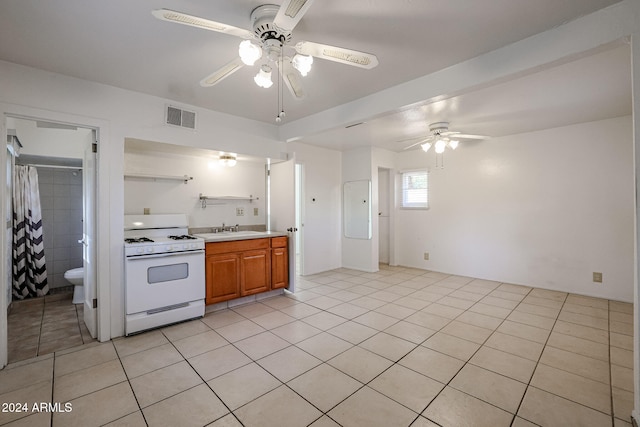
[
  {"x": 182, "y": 237},
  {"x": 138, "y": 240}
]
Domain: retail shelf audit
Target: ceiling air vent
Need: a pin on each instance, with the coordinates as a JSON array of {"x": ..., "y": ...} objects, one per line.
[{"x": 178, "y": 117}]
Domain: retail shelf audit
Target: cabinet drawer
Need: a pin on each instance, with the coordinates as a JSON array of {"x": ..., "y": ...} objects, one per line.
[
  {"x": 236, "y": 246},
  {"x": 279, "y": 242}
]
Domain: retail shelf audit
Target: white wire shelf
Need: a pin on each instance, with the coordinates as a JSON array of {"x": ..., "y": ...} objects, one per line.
[{"x": 183, "y": 178}]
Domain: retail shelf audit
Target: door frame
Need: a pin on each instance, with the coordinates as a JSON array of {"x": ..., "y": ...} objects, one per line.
[{"x": 102, "y": 250}]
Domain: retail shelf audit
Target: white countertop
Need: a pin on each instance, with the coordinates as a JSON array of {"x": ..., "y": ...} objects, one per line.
[{"x": 227, "y": 236}]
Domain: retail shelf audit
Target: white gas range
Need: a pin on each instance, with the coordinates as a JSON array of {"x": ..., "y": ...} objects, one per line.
[{"x": 164, "y": 271}]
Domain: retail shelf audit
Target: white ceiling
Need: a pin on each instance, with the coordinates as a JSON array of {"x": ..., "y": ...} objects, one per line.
[{"x": 119, "y": 43}]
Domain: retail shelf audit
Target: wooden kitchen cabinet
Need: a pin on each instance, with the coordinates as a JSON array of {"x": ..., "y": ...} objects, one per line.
[
  {"x": 279, "y": 263},
  {"x": 222, "y": 277},
  {"x": 254, "y": 272},
  {"x": 245, "y": 267}
]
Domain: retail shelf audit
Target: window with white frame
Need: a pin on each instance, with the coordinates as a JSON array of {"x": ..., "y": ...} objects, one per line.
[{"x": 415, "y": 189}]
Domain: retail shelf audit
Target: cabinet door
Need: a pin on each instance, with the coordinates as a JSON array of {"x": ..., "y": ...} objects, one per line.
[
  {"x": 279, "y": 268},
  {"x": 255, "y": 272},
  {"x": 223, "y": 277}
]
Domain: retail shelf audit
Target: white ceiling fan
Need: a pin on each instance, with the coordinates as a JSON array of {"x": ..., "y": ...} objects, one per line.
[
  {"x": 269, "y": 41},
  {"x": 441, "y": 138}
]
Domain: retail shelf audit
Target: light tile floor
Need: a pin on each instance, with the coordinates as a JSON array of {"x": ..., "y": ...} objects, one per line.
[{"x": 398, "y": 347}]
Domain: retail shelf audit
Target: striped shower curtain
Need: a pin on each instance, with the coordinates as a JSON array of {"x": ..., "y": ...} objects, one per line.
[{"x": 29, "y": 267}]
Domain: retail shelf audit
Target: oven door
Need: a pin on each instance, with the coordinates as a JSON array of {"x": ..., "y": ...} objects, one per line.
[{"x": 162, "y": 280}]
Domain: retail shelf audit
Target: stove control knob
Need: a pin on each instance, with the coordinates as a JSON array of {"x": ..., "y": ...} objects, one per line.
[
  {"x": 149, "y": 249},
  {"x": 169, "y": 248},
  {"x": 140, "y": 250},
  {"x": 185, "y": 246},
  {"x": 193, "y": 246}
]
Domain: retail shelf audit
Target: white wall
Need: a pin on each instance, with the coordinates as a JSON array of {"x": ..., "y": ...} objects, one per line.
[
  {"x": 322, "y": 174},
  {"x": 67, "y": 143},
  {"x": 245, "y": 179},
  {"x": 543, "y": 209},
  {"x": 359, "y": 253}
]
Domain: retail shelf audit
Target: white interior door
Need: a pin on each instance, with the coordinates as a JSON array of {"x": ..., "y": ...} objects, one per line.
[
  {"x": 282, "y": 202},
  {"x": 88, "y": 237},
  {"x": 383, "y": 216}
]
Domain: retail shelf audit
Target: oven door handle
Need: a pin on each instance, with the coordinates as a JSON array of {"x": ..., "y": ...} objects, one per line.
[{"x": 143, "y": 257}]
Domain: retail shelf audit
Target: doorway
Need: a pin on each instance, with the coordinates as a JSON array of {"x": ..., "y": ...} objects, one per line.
[{"x": 55, "y": 155}]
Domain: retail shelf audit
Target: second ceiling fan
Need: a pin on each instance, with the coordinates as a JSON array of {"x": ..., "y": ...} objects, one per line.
[{"x": 269, "y": 40}]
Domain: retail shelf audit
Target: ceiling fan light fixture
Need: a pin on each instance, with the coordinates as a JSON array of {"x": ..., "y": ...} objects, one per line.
[
  {"x": 302, "y": 63},
  {"x": 249, "y": 52},
  {"x": 227, "y": 160},
  {"x": 453, "y": 144},
  {"x": 426, "y": 146},
  {"x": 440, "y": 144},
  {"x": 263, "y": 78}
]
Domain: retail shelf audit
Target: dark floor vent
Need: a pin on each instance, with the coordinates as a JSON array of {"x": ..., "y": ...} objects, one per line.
[{"x": 178, "y": 117}]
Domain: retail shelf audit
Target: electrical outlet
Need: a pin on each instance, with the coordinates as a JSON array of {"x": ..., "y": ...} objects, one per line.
[
  {"x": 255, "y": 211},
  {"x": 146, "y": 211},
  {"x": 426, "y": 256},
  {"x": 239, "y": 211},
  {"x": 597, "y": 277}
]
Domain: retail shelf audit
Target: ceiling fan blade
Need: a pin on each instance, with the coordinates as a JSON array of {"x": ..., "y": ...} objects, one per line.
[
  {"x": 467, "y": 136},
  {"x": 291, "y": 78},
  {"x": 205, "y": 24},
  {"x": 338, "y": 54},
  {"x": 420, "y": 141},
  {"x": 290, "y": 13},
  {"x": 222, "y": 73}
]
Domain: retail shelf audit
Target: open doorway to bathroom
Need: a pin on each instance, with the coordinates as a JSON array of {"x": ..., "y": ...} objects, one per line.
[{"x": 44, "y": 314}]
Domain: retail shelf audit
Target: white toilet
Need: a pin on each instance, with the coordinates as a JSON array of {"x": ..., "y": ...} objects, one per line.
[{"x": 75, "y": 276}]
